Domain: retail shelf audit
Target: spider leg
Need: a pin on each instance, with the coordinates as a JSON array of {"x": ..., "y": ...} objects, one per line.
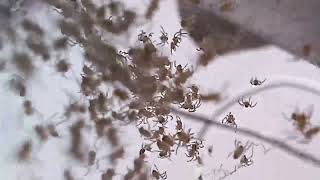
[
  {"x": 162, "y": 30},
  {"x": 230, "y": 154},
  {"x": 138, "y": 124},
  {"x": 247, "y": 145},
  {"x": 235, "y": 142},
  {"x": 223, "y": 119},
  {"x": 193, "y": 109},
  {"x": 171, "y": 117},
  {"x": 235, "y": 125},
  {"x": 179, "y": 144},
  {"x": 185, "y": 66},
  {"x": 251, "y": 153},
  {"x": 175, "y": 34},
  {"x": 254, "y": 105},
  {"x": 175, "y": 64},
  {"x": 160, "y": 43},
  {"x": 164, "y": 175},
  {"x": 200, "y": 146},
  {"x": 250, "y": 162},
  {"x": 241, "y": 104},
  {"x": 286, "y": 117}
]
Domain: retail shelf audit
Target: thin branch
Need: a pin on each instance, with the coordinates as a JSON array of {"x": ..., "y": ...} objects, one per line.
[
  {"x": 295, "y": 83},
  {"x": 254, "y": 134}
]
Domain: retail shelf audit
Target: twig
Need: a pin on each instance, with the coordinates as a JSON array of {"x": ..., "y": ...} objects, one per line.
[{"x": 302, "y": 84}]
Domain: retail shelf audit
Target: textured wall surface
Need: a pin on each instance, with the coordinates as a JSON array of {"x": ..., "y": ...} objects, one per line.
[{"x": 292, "y": 25}]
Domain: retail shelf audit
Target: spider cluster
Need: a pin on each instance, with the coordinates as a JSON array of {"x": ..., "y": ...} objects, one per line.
[
  {"x": 240, "y": 152},
  {"x": 165, "y": 142},
  {"x": 116, "y": 88},
  {"x": 176, "y": 40}
]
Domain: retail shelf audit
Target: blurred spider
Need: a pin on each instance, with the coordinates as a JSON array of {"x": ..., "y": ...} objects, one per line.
[
  {"x": 301, "y": 120},
  {"x": 176, "y": 40},
  {"x": 256, "y": 82},
  {"x": 143, "y": 37},
  {"x": 193, "y": 150},
  {"x": 229, "y": 120},
  {"x": 156, "y": 174},
  {"x": 240, "y": 149},
  {"x": 190, "y": 105},
  {"x": 247, "y": 103},
  {"x": 164, "y": 37}
]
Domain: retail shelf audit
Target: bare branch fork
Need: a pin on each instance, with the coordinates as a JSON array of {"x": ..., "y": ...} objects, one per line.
[{"x": 296, "y": 83}]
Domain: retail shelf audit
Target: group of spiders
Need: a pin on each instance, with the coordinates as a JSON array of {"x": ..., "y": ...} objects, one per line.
[
  {"x": 248, "y": 103},
  {"x": 240, "y": 150},
  {"x": 240, "y": 154},
  {"x": 229, "y": 119},
  {"x": 176, "y": 40},
  {"x": 165, "y": 142}
]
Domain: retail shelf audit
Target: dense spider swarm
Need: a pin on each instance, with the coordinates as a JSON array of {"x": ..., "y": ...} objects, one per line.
[{"x": 143, "y": 83}]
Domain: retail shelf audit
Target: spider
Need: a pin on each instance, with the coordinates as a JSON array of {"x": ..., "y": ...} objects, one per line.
[
  {"x": 247, "y": 103},
  {"x": 256, "y": 82},
  {"x": 179, "y": 68},
  {"x": 301, "y": 120},
  {"x": 164, "y": 37},
  {"x": 183, "y": 137},
  {"x": 193, "y": 151},
  {"x": 229, "y": 120},
  {"x": 190, "y": 105},
  {"x": 240, "y": 149},
  {"x": 156, "y": 174},
  {"x": 176, "y": 40},
  {"x": 162, "y": 120},
  {"x": 143, "y": 37}
]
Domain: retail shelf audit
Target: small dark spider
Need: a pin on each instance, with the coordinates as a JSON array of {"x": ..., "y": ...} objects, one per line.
[
  {"x": 179, "y": 68},
  {"x": 143, "y": 37},
  {"x": 229, "y": 120},
  {"x": 176, "y": 40},
  {"x": 193, "y": 150},
  {"x": 254, "y": 81},
  {"x": 164, "y": 37},
  {"x": 247, "y": 103}
]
